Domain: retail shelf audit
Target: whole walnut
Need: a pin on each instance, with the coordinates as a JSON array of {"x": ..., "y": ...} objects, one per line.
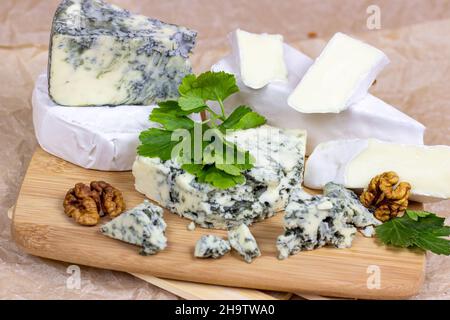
[
  {"x": 386, "y": 196},
  {"x": 86, "y": 204}
]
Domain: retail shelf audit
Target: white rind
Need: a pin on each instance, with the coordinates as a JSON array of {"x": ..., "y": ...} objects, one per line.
[
  {"x": 329, "y": 161},
  {"x": 339, "y": 77},
  {"x": 101, "y": 138},
  {"x": 353, "y": 163},
  {"x": 369, "y": 118}
]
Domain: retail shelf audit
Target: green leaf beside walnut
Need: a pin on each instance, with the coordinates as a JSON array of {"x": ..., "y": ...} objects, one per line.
[{"x": 418, "y": 229}]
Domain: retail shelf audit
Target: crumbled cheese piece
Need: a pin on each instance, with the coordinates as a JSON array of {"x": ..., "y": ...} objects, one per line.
[{"x": 210, "y": 246}]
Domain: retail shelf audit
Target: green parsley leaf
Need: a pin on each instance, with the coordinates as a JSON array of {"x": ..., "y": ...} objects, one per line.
[
  {"x": 192, "y": 168},
  {"x": 209, "y": 86},
  {"x": 416, "y": 214},
  {"x": 229, "y": 168},
  {"x": 220, "y": 179},
  {"x": 172, "y": 106},
  {"x": 222, "y": 168},
  {"x": 416, "y": 229},
  {"x": 191, "y": 103},
  {"x": 156, "y": 143},
  {"x": 171, "y": 120},
  {"x": 243, "y": 118}
]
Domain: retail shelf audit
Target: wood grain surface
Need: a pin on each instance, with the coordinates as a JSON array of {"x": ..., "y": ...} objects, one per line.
[{"x": 41, "y": 228}]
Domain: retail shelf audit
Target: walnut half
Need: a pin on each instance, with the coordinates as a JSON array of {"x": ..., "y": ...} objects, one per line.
[
  {"x": 386, "y": 196},
  {"x": 82, "y": 204},
  {"x": 112, "y": 202},
  {"x": 86, "y": 204}
]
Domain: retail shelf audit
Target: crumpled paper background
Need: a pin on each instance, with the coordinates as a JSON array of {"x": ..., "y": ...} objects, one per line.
[{"x": 414, "y": 34}]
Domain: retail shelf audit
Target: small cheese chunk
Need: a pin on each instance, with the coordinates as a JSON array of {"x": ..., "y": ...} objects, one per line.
[
  {"x": 368, "y": 118},
  {"x": 210, "y": 246},
  {"x": 191, "y": 226},
  {"x": 260, "y": 57},
  {"x": 142, "y": 226},
  {"x": 101, "y": 54},
  {"x": 242, "y": 240},
  {"x": 339, "y": 77},
  {"x": 312, "y": 222},
  {"x": 354, "y": 163}
]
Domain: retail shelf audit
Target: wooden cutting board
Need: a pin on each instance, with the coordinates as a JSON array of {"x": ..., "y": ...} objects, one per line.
[{"x": 41, "y": 228}]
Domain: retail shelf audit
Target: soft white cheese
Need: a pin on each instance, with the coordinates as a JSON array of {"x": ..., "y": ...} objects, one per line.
[
  {"x": 354, "y": 163},
  {"x": 340, "y": 76},
  {"x": 101, "y": 138},
  {"x": 369, "y": 118},
  {"x": 260, "y": 57}
]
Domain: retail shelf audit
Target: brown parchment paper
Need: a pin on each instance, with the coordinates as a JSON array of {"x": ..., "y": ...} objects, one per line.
[{"x": 414, "y": 34}]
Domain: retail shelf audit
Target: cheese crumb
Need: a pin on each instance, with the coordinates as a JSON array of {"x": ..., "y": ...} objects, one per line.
[{"x": 191, "y": 226}]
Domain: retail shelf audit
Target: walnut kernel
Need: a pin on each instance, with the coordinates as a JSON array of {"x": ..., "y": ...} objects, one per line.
[
  {"x": 86, "y": 204},
  {"x": 386, "y": 196}
]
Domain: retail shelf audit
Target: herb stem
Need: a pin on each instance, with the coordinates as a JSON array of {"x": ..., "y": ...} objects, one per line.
[
  {"x": 222, "y": 107},
  {"x": 216, "y": 116}
]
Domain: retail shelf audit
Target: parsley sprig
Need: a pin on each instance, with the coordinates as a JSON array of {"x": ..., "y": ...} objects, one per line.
[
  {"x": 416, "y": 229},
  {"x": 196, "y": 92}
]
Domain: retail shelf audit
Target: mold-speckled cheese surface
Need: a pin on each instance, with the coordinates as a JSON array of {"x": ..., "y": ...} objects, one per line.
[
  {"x": 211, "y": 246},
  {"x": 279, "y": 162},
  {"x": 312, "y": 222},
  {"x": 243, "y": 241},
  {"x": 142, "y": 226},
  {"x": 103, "y": 55}
]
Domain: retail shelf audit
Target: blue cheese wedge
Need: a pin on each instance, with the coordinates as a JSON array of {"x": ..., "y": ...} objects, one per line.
[
  {"x": 278, "y": 168},
  {"x": 101, "y": 54},
  {"x": 142, "y": 226},
  {"x": 210, "y": 246},
  {"x": 332, "y": 219},
  {"x": 242, "y": 240}
]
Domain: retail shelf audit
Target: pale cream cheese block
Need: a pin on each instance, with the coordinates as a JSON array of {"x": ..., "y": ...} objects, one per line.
[
  {"x": 354, "y": 163},
  {"x": 339, "y": 77},
  {"x": 260, "y": 57},
  {"x": 102, "y": 138},
  {"x": 369, "y": 118}
]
